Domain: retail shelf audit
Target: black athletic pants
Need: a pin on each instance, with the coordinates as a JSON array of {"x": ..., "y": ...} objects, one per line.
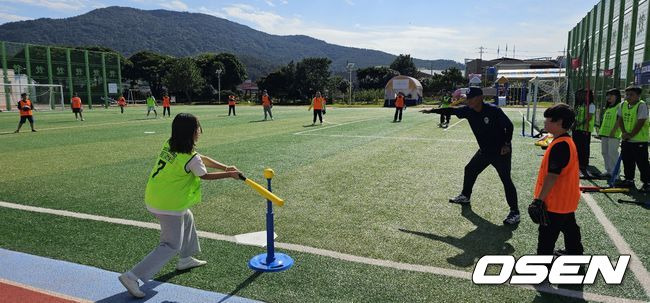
[
  {"x": 166, "y": 108},
  {"x": 398, "y": 113},
  {"x": 318, "y": 113},
  {"x": 560, "y": 223},
  {"x": 122, "y": 109},
  {"x": 582, "y": 141},
  {"x": 231, "y": 108},
  {"x": 635, "y": 155},
  {"x": 502, "y": 164}
]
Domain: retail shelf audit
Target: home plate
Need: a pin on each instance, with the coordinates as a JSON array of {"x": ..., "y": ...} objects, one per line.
[
  {"x": 149, "y": 132},
  {"x": 256, "y": 238}
]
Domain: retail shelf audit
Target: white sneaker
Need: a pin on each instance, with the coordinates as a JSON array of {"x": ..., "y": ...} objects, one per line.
[
  {"x": 189, "y": 262},
  {"x": 131, "y": 285},
  {"x": 460, "y": 199}
]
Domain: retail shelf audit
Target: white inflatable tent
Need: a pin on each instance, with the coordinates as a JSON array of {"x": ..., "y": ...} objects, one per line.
[{"x": 409, "y": 86}]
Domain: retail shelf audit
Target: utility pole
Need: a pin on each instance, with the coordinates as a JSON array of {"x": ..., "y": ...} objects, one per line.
[
  {"x": 481, "y": 52},
  {"x": 219, "y": 71},
  {"x": 350, "y": 68}
]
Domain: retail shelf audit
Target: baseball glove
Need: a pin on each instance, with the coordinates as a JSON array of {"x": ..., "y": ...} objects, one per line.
[{"x": 537, "y": 212}]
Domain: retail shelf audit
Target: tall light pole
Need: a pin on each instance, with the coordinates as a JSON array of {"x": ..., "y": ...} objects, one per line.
[
  {"x": 350, "y": 68},
  {"x": 219, "y": 71}
]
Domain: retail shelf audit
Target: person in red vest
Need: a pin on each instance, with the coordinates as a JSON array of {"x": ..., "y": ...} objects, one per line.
[
  {"x": 121, "y": 102},
  {"x": 399, "y": 107},
  {"x": 25, "y": 108},
  {"x": 267, "y": 104},
  {"x": 318, "y": 103},
  {"x": 557, "y": 190},
  {"x": 166, "y": 105},
  {"x": 75, "y": 103},
  {"x": 232, "y": 100}
]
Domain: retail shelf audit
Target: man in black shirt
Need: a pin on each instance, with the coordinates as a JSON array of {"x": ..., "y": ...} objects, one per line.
[{"x": 493, "y": 132}]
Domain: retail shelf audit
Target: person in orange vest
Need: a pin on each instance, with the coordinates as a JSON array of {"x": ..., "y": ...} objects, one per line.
[
  {"x": 25, "y": 108},
  {"x": 318, "y": 103},
  {"x": 267, "y": 104},
  {"x": 557, "y": 189},
  {"x": 166, "y": 105},
  {"x": 399, "y": 107},
  {"x": 75, "y": 103},
  {"x": 121, "y": 102},
  {"x": 232, "y": 100}
]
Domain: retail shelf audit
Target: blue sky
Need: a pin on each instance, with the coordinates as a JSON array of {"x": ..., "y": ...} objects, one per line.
[{"x": 425, "y": 29}]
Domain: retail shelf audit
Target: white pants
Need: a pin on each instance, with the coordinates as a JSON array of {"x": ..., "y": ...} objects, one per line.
[
  {"x": 609, "y": 149},
  {"x": 177, "y": 235}
]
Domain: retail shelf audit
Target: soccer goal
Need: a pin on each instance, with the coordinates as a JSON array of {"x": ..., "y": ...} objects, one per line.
[{"x": 43, "y": 96}]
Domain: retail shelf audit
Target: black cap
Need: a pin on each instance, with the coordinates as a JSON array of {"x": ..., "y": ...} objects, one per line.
[
  {"x": 474, "y": 92},
  {"x": 634, "y": 88},
  {"x": 23, "y": 94}
]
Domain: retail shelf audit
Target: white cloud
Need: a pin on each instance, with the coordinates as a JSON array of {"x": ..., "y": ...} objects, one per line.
[
  {"x": 59, "y": 5},
  {"x": 176, "y": 5},
  {"x": 349, "y": 2},
  {"x": 8, "y": 17},
  {"x": 425, "y": 42},
  {"x": 269, "y": 2}
]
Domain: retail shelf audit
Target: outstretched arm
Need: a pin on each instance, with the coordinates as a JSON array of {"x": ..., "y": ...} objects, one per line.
[{"x": 209, "y": 162}]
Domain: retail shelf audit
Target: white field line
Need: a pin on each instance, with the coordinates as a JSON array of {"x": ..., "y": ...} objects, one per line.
[
  {"x": 623, "y": 248},
  {"x": 323, "y": 252},
  {"x": 448, "y": 128},
  {"x": 326, "y": 127},
  {"x": 82, "y": 125}
]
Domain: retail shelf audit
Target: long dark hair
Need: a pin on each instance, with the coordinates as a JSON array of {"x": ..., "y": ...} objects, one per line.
[
  {"x": 616, "y": 93},
  {"x": 183, "y": 129}
]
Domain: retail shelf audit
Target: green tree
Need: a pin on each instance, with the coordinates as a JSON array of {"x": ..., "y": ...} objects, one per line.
[
  {"x": 184, "y": 77},
  {"x": 281, "y": 82},
  {"x": 150, "y": 67},
  {"x": 234, "y": 72},
  {"x": 312, "y": 75},
  {"x": 404, "y": 65},
  {"x": 375, "y": 77}
]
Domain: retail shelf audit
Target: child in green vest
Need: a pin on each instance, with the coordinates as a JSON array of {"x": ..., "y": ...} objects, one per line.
[
  {"x": 633, "y": 121},
  {"x": 151, "y": 105},
  {"x": 174, "y": 186},
  {"x": 584, "y": 127},
  {"x": 610, "y": 133},
  {"x": 444, "y": 118}
]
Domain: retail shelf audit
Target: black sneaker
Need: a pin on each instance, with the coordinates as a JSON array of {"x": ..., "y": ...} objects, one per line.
[
  {"x": 512, "y": 218},
  {"x": 460, "y": 199},
  {"x": 625, "y": 184}
]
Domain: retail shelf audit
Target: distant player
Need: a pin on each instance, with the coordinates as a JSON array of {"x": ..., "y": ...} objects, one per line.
[
  {"x": 166, "y": 105},
  {"x": 174, "y": 186},
  {"x": 318, "y": 104},
  {"x": 445, "y": 118},
  {"x": 151, "y": 105},
  {"x": 25, "y": 108},
  {"x": 399, "y": 107},
  {"x": 267, "y": 104},
  {"x": 232, "y": 101},
  {"x": 121, "y": 102},
  {"x": 75, "y": 103}
]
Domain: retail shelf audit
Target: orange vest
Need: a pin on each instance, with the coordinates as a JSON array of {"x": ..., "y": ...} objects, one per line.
[
  {"x": 319, "y": 102},
  {"x": 121, "y": 101},
  {"x": 399, "y": 101},
  {"x": 565, "y": 194},
  {"x": 22, "y": 104},
  {"x": 266, "y": 101},
  {"x": 231, "y": 100},
  {"x": 166, "y": 101},
  {"x": 75, "y": 102}
]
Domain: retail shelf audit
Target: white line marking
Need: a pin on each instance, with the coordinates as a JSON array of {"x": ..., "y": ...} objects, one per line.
[
  {"x": 636, "y": 266},
  {"x": 326, "y": 127},
  {"x": 323, "y": 252},
  {"x": 448, "y": 128}
]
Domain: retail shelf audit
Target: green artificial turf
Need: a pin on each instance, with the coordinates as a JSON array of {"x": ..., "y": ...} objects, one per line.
[{"x": 358, "y": 184}]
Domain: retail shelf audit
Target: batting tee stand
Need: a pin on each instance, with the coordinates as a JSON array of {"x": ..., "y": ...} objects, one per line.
[{"x": 270, "y": 261}]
